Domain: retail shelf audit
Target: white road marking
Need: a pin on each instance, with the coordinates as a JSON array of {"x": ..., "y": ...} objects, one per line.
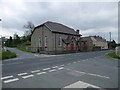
[
  {"x": 68, "y": 63},
  {"x": 60, "y": 68},
  {"x": 80, "y": 72},
  {"x": 11, "y": 80},
  {"x": 55, "y": 67},
  {"x": 22, "y": 74},
  {"x": 98, "y": 75},
  {"x": 74, "y": 62},
  {"x": 90, "y": 74},
  {"x": 46, "y": 68},
  {"x": 13, "y": 63},
  {"x": 35, "y": 71},
  {"x": 41, "y": 73},
  {"x": 52, "y": 70},
  {"x": 81, "y": 84},
  {"x": 6, "y": 77},
  {"x": 62, "y": 65},
  {"x": 27, "y": 76}
]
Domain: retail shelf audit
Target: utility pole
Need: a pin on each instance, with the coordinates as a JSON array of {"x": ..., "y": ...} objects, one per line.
[{"x": 110, "y": 36}]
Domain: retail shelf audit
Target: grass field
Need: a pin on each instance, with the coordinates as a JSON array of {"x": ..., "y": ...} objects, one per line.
[{"x": 113, "y": 55}]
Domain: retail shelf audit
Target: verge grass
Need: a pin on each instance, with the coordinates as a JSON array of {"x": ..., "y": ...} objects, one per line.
[
  {"x": 8, "y": 54},
  {"x": 113, "y": 55}
]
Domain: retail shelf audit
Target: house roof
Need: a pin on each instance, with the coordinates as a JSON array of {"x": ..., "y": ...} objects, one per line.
[
  {"x": 59, "y": 28},
  {"x": 97, "y": 38}
]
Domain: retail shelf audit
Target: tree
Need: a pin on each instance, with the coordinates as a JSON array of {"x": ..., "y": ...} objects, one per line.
[
  {"x": 112, "y": 44},
  {"x": 16, "y": 40},
  {"x": 9, "y": 41},
  {"x": 30, "y": 26}
]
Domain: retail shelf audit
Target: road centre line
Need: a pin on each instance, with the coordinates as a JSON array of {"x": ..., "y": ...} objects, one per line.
[
  {"x": 6, "y": 77},
  {"x": 52, "y": 70},
  {"x": 28, "y": 76},
  {"x": 41, "y": 73},
  {"x": 62, "y": 65},
  {"x": 55, "y": 67},
  {"x": 35, "y": 71},
  {"x": 46, "y": 68},
  {"x": 60, "y": 68},
  {"x": 11, "y": 80},
  {"x": 74, "y": 62},
  {"x": 22, "y": 74},
  {"x": 68, "y": 63}
]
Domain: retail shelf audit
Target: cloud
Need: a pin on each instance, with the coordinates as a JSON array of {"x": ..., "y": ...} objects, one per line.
[
  {"x": 88, "y": 17},
  {"x": 9, "y": 32},
  {"x": 104, "y": 32}
]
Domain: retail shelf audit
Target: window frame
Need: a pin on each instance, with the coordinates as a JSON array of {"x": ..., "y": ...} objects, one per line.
[
  {"x": 45, "y": 41},
  {"x": 60, "y": 41}
]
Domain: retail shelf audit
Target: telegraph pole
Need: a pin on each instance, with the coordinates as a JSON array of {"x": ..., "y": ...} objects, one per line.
[{"x": 110, "y": 36}]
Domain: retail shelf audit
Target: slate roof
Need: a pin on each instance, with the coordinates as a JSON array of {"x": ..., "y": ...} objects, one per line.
[
  {"x": 59, "y": 28},
  {"x": 97, "y": 38}
]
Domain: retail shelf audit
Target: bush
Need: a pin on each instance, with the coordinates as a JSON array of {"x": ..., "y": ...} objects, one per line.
[{"x": 8, "y": 54}]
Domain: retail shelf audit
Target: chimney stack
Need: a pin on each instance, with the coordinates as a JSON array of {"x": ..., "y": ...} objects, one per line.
[{"x": 77, "y": 31}]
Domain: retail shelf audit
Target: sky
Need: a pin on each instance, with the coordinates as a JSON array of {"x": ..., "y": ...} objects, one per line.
[{"x": 91, "y": 18}]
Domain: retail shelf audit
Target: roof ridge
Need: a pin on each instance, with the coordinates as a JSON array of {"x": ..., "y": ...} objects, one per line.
[
  {"x": 61, "y": 28},
  {"x": 60, "y": 24}
]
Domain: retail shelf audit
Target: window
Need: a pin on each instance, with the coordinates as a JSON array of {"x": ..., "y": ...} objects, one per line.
[
  {"x": 60, "y": 41},
  {"x": 39, "y": 42},
  {"x": 45, "y": 41}
]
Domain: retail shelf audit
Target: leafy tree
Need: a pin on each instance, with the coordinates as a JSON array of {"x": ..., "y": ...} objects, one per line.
[
  {"x": 16, "y": 40},
  {"x": 112, "y": 44},
  {"x": 30, "y": 26}
]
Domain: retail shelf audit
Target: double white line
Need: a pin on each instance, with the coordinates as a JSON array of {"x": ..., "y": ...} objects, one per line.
[{"x": 10, "y": 80}]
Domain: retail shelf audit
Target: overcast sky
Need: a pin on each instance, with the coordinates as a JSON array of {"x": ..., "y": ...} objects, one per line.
[{"x": 91, "y": 18}]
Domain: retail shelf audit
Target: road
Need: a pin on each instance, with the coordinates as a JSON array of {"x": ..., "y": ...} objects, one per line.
[{"x": 86, "y": 69}]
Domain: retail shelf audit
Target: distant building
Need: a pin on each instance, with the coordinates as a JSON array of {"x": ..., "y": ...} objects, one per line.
[
  {"x": 93, "y": 43},
  {"x": 52, "y": 37}
]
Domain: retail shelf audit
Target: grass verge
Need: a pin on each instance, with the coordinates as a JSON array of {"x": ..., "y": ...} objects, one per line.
[
  {"x": 8, "y": 54},
  {"x": 113, "y": 55}
]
